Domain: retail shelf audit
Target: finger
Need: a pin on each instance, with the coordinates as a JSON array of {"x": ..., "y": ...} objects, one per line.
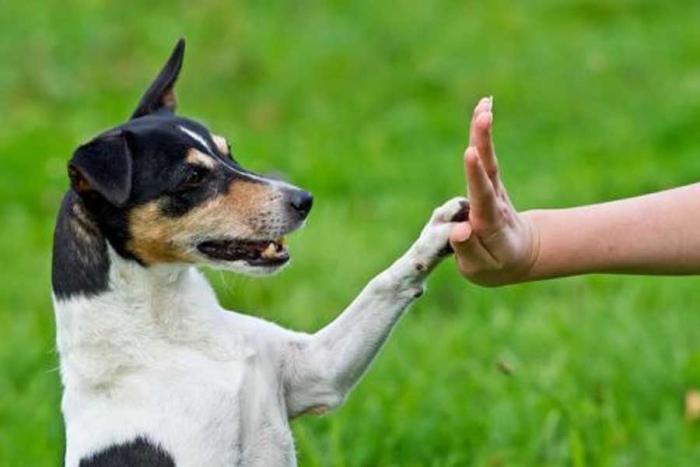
[
  {"x": 484, "y": 104},
  {"x": 482, "y": 197},
  {"x": 484, "y": 143},
  {"x": 471, "y": 255},
  {"x": 480, "y": 107}
]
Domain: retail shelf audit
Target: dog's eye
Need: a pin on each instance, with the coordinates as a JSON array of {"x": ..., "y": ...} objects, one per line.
[{"x": 195, "y": 177}]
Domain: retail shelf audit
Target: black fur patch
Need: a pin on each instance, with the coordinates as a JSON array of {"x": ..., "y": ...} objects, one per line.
[
  {"x": 137, "y": 453},
  {"x": 160, "y": 96},
  {"x": 80, "y": 260}
]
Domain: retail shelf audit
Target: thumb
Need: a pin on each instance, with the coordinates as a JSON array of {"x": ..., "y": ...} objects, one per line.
[
  {"x": 460, "y": 233},
  {"x": 472, "y": 256}
]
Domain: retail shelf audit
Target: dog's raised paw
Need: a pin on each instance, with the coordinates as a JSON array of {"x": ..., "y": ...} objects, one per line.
[
  {"x": 434, "y": 240},
  {"x": 454, "y": 210}
]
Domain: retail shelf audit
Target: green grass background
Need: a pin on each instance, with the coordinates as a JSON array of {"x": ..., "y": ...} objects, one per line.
[{"x": 366, "y": 104}]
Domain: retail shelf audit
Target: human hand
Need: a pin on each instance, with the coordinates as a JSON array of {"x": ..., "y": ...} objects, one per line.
[{"x": 497, "y": 245}]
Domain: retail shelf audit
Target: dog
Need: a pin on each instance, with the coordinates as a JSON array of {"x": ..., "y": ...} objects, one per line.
[{"x": 155, "y": 372}]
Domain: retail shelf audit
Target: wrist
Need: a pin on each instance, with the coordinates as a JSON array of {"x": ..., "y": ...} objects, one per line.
[{"x": 533, "y": 245}]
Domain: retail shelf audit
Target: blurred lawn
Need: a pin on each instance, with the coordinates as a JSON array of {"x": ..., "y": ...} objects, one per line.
[{"x": 365, "y": 103}]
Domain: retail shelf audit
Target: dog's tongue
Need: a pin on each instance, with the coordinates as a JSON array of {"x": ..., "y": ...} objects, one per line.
[{"x": 260, "y": 246}]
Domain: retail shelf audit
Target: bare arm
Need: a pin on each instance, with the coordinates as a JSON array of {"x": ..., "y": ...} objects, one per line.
[{"x": 652, "y": 234}]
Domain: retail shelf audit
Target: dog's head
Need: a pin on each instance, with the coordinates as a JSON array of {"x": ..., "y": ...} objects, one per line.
[{"x": 164, "y": 189}]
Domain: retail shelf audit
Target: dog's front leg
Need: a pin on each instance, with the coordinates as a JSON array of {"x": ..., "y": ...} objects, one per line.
[{"x": 320, "y": 369}]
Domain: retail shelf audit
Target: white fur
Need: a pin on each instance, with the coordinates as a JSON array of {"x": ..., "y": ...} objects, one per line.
[
  {"x": 157, "y": 356},
  {"x": 197, "y": 137}
]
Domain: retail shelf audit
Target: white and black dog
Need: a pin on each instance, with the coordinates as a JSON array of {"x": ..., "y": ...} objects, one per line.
[{"x": 155, "y": 372}]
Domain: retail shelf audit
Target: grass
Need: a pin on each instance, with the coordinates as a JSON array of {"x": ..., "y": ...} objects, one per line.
[{"x": 366, "y": 105}]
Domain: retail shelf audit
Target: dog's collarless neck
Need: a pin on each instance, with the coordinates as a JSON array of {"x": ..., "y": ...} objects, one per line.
[
  {"x": 127, "y": 274},
  {"x": 85, "y": 264}
]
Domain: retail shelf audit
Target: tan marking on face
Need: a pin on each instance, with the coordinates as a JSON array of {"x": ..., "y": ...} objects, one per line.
[
  {"x": 220, "y": 143},
  {"x": 199, "y": 158},
  {"x": 156, "y": 238}
]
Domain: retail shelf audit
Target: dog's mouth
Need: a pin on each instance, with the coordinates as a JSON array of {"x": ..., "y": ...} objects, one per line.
[{"x": 255, "y": 253}]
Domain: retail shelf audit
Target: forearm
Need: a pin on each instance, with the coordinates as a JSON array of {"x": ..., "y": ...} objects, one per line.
[
  {"x": 652, "y": 234},
  {"x": 325, "y": 366}
]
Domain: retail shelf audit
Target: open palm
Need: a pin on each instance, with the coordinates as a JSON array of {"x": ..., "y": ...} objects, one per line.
[{"x": 496, "y": 245}]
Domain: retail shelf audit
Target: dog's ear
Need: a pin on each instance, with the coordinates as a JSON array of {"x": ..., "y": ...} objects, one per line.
[
  {"x": 103, "y": 166},
  {"x": 160, "y": 95}
]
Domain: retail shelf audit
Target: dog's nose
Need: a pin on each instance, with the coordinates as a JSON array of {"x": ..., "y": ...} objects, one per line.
[{"x": 301, "y": 201}]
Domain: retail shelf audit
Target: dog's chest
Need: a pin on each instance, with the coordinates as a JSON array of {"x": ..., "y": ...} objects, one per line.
[
  {"x": 200, "y": 383},
  {"x": 202, "y": 412}
]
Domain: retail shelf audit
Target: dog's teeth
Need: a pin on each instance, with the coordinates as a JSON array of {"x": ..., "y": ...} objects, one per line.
[{"x": 270, "y": 251}]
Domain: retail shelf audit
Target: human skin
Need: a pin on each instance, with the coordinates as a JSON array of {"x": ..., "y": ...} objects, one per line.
[{"x": 656, "y": 234}]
